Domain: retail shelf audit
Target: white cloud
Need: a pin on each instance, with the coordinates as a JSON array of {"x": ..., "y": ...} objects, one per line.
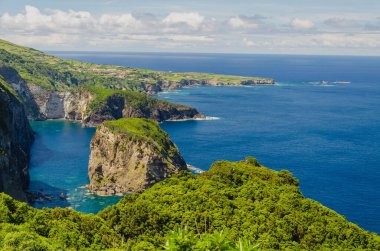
[
  {"x": 126, "y": 22},
  {"x": 248, "y": 43},
  {"x": 299, "y": 23},
  {"x": 57, "y": 29},
  {"x": 190, "y": 38},
  {"x": 325, "y": 41},
  {"x": 238, "y": 22},
  {"x": 246, "y": 22},
  {"x": 71, "y": 22},
  {"x": 192, "y": 19}
]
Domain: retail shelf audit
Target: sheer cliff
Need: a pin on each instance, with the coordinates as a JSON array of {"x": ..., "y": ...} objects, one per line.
[{"x": 16, "y": 137}]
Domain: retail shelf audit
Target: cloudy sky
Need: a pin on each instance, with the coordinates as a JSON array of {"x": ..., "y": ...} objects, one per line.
[{"x": 340, "y": 27}]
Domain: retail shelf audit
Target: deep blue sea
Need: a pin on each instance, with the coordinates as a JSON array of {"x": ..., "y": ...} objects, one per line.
[{"x": 328, "y": 136}]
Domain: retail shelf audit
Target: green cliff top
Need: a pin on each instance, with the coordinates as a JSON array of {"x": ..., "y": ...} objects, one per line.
[
  {"x": 138, "y": 126},
  {"x": 54, "y": 73},
  {"x": 145, "y": 129}
]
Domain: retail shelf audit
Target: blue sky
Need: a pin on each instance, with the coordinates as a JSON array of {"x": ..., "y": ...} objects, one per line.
[{"x": 281, "y": 27}]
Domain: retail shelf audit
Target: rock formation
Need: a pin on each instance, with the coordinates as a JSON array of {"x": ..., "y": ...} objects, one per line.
[
  {"x": 130, "y": 155},
  {"x": 16, "y": 137}
]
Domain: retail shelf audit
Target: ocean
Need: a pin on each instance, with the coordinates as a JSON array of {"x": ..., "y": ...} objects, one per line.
[{"x": 328, "y": 136}]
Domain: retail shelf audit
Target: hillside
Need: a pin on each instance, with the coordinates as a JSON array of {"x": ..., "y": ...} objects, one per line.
[
  {"x": 59, "y": 74},
  {"x": 244, "y": 199},
  {"x": 239, "y": 200}
]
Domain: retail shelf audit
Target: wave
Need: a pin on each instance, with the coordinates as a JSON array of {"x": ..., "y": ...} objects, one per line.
[{"x": 205, "y": 118}]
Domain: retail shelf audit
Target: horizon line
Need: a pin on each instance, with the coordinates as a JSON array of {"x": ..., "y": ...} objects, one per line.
[{"x": 209, "y": 53}]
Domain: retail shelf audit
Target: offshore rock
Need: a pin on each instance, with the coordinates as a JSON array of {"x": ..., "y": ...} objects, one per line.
[{"x": 130, "y": 155}]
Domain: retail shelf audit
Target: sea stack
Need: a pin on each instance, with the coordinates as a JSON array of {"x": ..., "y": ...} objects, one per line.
[{"x": 130, "y": 155}]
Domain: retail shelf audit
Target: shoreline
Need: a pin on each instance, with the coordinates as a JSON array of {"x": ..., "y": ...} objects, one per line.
[{"x": 194, "y": 169}]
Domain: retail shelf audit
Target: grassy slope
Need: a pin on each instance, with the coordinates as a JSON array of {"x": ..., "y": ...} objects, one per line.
[
  {"x": 146, "y": 129},
  {"x": 55, "y": 73},
  {"x": 243, "y": 199}
]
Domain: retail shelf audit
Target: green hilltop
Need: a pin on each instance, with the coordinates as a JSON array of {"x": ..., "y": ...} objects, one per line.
[{"x": 144, "y": 129}]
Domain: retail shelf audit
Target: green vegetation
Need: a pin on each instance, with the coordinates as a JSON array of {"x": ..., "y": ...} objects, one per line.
[
  {"x": 233, "y": 205},
  {"x": 5, "y": 86},
  {"x": 242, "y": 198},
  {"x": 25, "y": 228},
  {"x": 54, "y": 73},
  {"x": 145, "y": 129},
  {"x": 136, "y": 100},
  {"x": 182, "y": 240}
]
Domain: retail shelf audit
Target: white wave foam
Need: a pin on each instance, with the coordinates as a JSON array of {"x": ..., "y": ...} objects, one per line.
[{"x": 205, "y": 118}]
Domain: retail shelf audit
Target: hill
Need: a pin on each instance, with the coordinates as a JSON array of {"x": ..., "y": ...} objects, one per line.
[
  {"x": 59, "y": 74},
  {"x": 232, "y": 201}
]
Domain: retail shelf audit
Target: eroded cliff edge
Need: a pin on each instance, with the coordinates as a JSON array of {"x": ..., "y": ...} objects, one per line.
[
  {"x": 130, "y": 155},
  {"x": 16, "y": 137}
]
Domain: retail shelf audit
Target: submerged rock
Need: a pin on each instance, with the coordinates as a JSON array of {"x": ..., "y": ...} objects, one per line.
[{"x": 130, "y": 155}]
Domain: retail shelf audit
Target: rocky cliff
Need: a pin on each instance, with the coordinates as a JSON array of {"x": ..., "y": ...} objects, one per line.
[
  {"x": 91, "y": 105},
  {"x": 16, "y": 137},
  {"x": 130, "y": 155},
  {"x": 115, "y": 104}
]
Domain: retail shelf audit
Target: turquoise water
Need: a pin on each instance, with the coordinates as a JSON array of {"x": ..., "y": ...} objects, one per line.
[
  {"x": 328, "y": 136},
  {"x": 59, "y": 165}
]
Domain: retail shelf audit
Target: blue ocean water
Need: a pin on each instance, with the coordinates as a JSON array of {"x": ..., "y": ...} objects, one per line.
[
  {"x": 59, "y": 159},
  {"x": 327, "y": 135}
]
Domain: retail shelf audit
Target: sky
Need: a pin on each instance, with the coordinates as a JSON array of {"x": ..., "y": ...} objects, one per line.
[{"x": 323, "y": 27}]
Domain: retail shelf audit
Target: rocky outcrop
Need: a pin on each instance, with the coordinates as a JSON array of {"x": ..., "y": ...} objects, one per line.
[
  {"x": 16, "y": 137},
  {"x": 171, "y": 85},
  {"x": 118, "y": 106},
  {"x": 130, "y": 155}
]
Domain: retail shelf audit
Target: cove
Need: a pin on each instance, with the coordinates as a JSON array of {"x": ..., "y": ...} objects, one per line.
[{"x": 59, "y": 160}]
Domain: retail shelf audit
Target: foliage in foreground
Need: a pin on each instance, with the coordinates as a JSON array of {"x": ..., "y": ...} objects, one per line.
[
  {"x": 25, "y": 228},
  {"x": 182, "y": 240},
  {"x": 233, "y": 206},
  {"x": 243, "y": 199}
]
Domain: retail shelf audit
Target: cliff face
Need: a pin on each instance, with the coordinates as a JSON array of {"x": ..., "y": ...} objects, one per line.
[
  {"x": 16, "y": 137},
  {"x": 24, "y": 91},
  {"x": 130, "y": 155},
  {"x": 77, "y": 103}
]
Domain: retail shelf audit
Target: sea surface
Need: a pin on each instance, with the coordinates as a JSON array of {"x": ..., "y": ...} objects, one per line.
[
  {"x": 328, "y": 136},
  {"x": 59, "y": 159}
]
